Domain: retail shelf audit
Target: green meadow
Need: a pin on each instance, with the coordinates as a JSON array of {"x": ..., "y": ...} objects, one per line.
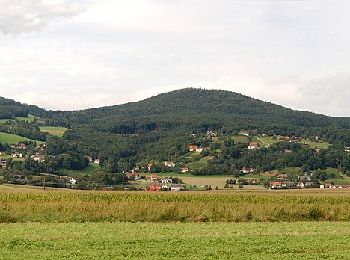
[
  {"x": 11, "y": 138},
  {"x": 300, "y": 240},
  {"x": 54, "y": 130}
]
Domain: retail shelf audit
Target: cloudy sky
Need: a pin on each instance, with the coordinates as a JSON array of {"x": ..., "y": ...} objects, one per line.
[{"x": 76, "y": 54}]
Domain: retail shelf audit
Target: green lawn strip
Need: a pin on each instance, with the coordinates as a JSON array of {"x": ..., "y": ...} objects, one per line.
[{"x": 301, "y": 240}]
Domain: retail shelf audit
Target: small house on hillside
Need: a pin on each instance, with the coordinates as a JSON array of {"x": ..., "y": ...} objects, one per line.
[
  {"x": 195, "y": 148},
  {"x": 97, "y": 161},
  {"x": 253, "y": 145},
  {"x": 347, "y": 149},
  {"x": 184, "y": 169},
  {"x": 17, "y": 155},
  {"x": 246, "y": 170},
  {"x": 154, "y": 177},
  {"x": 169, "y": 164},
  {"x": 38, "y": 158},
  {"x": 21, "y": 146},
  {"x": 243, "y": 132},
  {"x": 3, "y": 164},
  {"x": 149, "y": 167}
]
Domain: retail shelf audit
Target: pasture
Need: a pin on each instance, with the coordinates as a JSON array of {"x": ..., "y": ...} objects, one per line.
[
  {"x": 300, "y": 240},
  {"x": 54, "y": 130},
  {"x": 12, "y": 138}
]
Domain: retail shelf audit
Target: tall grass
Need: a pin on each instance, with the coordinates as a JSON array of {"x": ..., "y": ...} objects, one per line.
[{"x": 165, "y": 207}]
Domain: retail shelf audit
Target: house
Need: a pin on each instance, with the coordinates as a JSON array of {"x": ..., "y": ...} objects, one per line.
[
  {"x": 3, "y": 164},
  {"x": 280, "y": 184},
  {"x": 21, "y": 146},
  {"x": 169, "y": 164},
  {"x": 17, "y": 155},
  {"x": 135, "y": 170},
  {"x": 72, "y": 181},
  {"x": 195, "y": 148},
  {"x": 192, "y": 148},
  {"x": 176, "y": 187},
  {"x": 339, "y": 186},
  {"x": 154, "y": 187},
  {"x": 212, "y": 133},
  {"x": 243, "y": 132},
  {"x": 347, "y": 149},
  {"x": 199, "y": 149},
  {"x": 165, "y": 187},
  {"x": 253, "y": 145},
  {"x": 246, "y": 170},
  {"x": 184, "y": 169},
  {"x": 97, "y": 161},
  {"x": 166, "y": 180},
  {"x": 38, "y": 158},
  {"x": 42, "y": 148},
  {"x": 154, "y": 178}
]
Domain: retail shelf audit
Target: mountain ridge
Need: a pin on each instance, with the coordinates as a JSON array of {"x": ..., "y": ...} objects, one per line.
[{"x": 182, "y": 106}]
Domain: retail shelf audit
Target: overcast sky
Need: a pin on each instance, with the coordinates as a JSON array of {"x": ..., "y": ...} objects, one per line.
[{"x": 87, "y": 53}]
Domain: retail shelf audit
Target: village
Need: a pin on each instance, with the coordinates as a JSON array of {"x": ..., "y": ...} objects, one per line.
[{"x": 157, "y": 176}]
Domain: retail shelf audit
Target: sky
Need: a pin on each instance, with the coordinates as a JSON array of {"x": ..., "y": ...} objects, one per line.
[{"x": 75, "y": 54}]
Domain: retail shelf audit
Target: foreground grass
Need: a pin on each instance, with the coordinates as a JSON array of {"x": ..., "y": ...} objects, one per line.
[
  {"x": 301, "y": 240},
  {"x": 261, "y": 206}
]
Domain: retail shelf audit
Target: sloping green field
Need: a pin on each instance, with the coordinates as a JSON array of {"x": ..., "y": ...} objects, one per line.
[{"x": 11, "y": 138}]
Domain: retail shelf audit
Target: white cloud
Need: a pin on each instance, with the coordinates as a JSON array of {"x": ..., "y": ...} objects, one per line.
[
  {"x": 22, "y": 16},
  {"x": 287, "y": 52}
]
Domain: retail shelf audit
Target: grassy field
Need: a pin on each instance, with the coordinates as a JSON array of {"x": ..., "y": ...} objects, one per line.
[
  {"x": 213, "y": 206},
  {"x": 86, "y": 172},
  {"x": 300, "y": 240},
  {"x": 11, "y": 138},
  {"x": 30, "y": 119},
  {"x": 200, "y": 181},
  {"x": 316, "y": 145},
  {"x": 54, "y": 130},
  {"x": 241, "y": 139}
]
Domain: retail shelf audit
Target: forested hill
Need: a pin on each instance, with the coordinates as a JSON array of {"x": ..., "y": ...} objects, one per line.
[
  {"x": 10, "y": 109},
  {"x": 161, "y": 128},
  {"x": 201, "y": 109},
  {"x": 186, "y": 108}
]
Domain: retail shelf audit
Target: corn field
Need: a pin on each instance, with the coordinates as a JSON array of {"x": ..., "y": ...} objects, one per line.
[{"x": 168, "y": 207}]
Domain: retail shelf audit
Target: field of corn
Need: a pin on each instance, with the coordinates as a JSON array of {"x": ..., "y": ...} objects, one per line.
[
  {"x": 81, "y": 206},
  {"x": 105, "y": 240}
]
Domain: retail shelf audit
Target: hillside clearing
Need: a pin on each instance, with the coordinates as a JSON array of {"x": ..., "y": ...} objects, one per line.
[{"x": 54, "y": 130}]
